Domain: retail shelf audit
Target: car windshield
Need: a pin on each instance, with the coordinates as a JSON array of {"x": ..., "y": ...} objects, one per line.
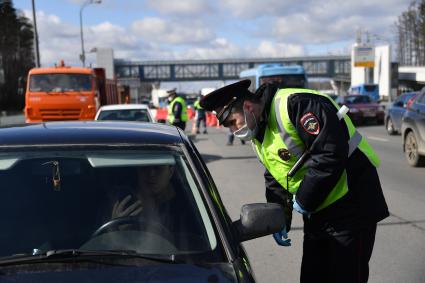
[
  {"x": 358, "y": 99},
  {"x": 285, "y": 81},
  {"x": 60, "y": 82},
  {"x": 138, "y": 200},
  {"x": 141, "y": 115}
]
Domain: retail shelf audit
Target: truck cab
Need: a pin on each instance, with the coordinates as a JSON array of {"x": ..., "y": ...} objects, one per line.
[{"x": 63, "y": 93}]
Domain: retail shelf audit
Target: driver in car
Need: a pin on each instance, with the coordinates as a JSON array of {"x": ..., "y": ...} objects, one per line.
[{"x": 154, "y": 196}]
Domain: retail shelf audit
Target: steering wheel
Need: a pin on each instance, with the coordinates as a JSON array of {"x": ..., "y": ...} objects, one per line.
[{"x": 140, "y": 223}]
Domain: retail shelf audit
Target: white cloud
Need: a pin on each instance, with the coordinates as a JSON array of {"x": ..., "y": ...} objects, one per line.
[
  {"x": 108, "y": 35},
  {"x": 158, "y": 30},
  {"x": 271, "y": 49},
  {"x": 59, "y": 40},
  {"x": 255, "y": 8},
  {"x": 200, "y": 29},
  {"x": 319, "y": 21},
  {"x": 185, "y": 8}
]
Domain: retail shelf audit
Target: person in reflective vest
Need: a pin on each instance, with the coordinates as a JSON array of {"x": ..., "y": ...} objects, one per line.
[
  {"x": 201, "y": 117},
  {"x": 177, "y": 111},
  {"x": 316, "y": 163}
]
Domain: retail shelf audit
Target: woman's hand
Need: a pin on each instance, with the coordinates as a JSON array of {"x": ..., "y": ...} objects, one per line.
[{"x": 123, "y": 208}]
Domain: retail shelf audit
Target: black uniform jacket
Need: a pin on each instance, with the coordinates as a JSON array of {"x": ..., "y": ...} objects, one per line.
[{"x": 364, "y": 204}]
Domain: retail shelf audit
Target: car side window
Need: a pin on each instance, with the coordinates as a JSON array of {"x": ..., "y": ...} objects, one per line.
[
  {"x": 405, "y": 98},
  {"x": 421, "y": 99},
  {"x": 399, "y": 102}
]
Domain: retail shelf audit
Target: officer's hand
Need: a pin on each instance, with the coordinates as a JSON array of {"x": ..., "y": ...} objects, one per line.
[
  {"x": 122, "y": 208},
  {"x": 299, "y": 209},
  {"x": 281, "y": 238}
]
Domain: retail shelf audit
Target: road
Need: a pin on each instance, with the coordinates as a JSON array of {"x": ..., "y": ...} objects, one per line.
[
  {"x": 399, "y": 254},
  {"x": 10, "y": 120}
]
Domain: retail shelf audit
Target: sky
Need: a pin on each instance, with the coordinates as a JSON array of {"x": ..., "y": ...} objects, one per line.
[{"x": 141, "y": 30}]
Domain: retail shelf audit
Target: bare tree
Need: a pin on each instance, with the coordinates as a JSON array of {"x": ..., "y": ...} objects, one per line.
[{"x": 410, "y": 28}]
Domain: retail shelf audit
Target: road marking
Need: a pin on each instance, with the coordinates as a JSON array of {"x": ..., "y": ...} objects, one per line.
[{"x": 378, "y": 139}]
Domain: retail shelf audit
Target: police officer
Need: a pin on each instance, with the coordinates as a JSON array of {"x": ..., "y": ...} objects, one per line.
[
  {"x": 177, "y": 111},
  {"x": 317, "y": 163},
  {"x": 201, "y": 116}
]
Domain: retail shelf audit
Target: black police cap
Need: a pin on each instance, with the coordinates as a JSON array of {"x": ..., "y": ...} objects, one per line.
[
  {"x": 171, "y": 92},
  {"x": 220, "y": 97}
]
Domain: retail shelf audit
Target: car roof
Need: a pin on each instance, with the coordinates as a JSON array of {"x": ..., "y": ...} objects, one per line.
[
  {"x": 107, "y": 133},
  {"x": 123, "y": 106}
]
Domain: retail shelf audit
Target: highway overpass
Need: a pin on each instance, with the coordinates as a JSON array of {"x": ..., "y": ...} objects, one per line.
[{"x": 224, "y": 69}]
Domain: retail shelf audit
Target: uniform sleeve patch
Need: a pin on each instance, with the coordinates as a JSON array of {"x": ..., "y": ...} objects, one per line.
[{"x": 310, "y": 123}]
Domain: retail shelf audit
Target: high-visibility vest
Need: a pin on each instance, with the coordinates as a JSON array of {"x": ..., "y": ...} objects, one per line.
[
  {"x": 281, "y": 134},
  {"x": 184, "y": 116},
  {"x": 197, "y": 105}
]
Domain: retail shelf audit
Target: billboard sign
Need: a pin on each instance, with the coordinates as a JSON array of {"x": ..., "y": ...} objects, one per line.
[{"x": 364, "y": 56}]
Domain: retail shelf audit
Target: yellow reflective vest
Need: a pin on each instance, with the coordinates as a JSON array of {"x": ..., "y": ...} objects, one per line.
[
  {"x": 184, "y": 116},
  {"x": 281, "y": 134}
]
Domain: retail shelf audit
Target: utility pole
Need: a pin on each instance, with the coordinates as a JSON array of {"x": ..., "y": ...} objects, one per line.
[{"x": 37, "y": 52}]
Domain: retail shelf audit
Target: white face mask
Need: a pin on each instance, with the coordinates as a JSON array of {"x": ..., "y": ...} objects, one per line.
[{"x": 245, "y": 133}]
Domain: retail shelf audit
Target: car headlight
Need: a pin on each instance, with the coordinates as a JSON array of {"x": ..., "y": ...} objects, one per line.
[{"x": 354, "y": 110}]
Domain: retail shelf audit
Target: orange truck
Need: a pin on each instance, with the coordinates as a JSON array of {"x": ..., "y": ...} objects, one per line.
[{"x": 63, "y": 93}]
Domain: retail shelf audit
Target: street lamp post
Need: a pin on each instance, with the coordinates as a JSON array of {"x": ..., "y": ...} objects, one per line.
[
  {"x": 37, "y": 52},
  {"x": 85, "y": 4}
]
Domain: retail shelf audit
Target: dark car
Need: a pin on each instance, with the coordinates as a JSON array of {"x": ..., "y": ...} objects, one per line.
[
  {"x": 333, "y": 96},
  {"x": 394, "y": 113},
  {"x": 413, "y": 131},
  {"x": 117, "y": 202},
  {"x": 362, "y": 108}
]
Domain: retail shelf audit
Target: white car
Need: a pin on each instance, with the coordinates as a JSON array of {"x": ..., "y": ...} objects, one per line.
[{"x": 124, "y": 112}]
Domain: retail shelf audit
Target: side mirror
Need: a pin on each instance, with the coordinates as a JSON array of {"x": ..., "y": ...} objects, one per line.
[{"x": 258, "y": 220}]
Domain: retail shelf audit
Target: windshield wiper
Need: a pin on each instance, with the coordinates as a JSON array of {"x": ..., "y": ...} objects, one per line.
[{"x": 75, "y": 254}]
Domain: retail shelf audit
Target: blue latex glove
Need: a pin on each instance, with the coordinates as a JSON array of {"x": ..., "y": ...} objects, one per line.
[
  {"x": 281, "y": 238},
  {"x": 299, "y": 209}
]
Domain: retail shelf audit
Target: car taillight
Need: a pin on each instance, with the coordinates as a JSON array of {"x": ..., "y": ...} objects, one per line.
[{"x": 410, "y": 102}]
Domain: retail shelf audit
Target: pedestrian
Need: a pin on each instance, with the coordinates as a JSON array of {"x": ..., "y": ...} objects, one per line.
[
  {"x": 201, "y": 117},
  {"x": 317, "y": 163},
  {"x": 177, "y": 111}
]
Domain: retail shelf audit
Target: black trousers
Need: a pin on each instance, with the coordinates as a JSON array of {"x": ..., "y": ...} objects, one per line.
[
  {"x": 337, "y": 256},
  {"x": 181, "y": 125}
]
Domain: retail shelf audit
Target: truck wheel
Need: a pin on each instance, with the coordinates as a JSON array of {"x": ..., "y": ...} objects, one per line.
[
  {"x": 411, "y": 151},
  {"x": 390, "y": 127}
]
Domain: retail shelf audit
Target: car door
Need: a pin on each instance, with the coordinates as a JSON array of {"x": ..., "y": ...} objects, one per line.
[
  {"x": 420, "y": 117},
  {"x": 396, "y": 112}
]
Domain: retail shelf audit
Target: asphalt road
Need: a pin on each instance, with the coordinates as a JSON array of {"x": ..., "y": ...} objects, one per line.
[{"x": 399, "y": 253}]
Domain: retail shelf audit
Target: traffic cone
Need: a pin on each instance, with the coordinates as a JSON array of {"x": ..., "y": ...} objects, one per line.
[{"x": 218, "y": 124}]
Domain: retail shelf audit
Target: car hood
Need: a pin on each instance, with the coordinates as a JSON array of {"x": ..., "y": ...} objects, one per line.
[{"x": 169, "y": 273}]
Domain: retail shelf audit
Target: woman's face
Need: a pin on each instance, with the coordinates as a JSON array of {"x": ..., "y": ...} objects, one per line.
[{"x": 155, "y": 179}]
